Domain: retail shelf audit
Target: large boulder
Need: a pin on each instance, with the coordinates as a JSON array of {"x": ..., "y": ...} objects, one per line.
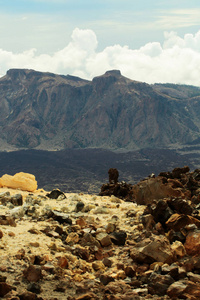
[
  {"x": 157, "y": 188},
  {"x": 153, "y": 249},
  {"x": 22, "y": 181}
]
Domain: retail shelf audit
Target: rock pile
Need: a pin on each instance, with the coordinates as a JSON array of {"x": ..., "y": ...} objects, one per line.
[{"x": 77, "y": 246}]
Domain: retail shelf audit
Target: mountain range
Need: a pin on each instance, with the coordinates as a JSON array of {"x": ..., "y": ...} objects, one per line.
[{"x": 53, "y": 112}]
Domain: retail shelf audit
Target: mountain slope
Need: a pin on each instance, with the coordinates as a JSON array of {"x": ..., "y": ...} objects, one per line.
[{"x": 48, "y": 111}]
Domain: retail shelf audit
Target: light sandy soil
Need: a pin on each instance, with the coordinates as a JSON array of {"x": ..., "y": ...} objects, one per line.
[{"x": 19, "y": 239}]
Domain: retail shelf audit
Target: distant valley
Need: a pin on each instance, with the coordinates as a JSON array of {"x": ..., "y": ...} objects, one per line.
[{"x": 85, "y": 170}]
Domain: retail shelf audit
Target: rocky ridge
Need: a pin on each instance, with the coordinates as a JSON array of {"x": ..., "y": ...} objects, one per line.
[
  {"x": 51, "y": 112},
  {"x": 140, "y": 245}
]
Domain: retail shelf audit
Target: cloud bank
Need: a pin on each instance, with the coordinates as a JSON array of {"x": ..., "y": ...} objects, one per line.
[{"x": 177, "y": 60}]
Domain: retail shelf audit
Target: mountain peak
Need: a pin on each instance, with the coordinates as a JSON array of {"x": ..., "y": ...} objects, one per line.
[{"x": 113, "y": 73}]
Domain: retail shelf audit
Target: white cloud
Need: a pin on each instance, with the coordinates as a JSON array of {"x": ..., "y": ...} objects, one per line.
[{"x": 176, "y": 61}]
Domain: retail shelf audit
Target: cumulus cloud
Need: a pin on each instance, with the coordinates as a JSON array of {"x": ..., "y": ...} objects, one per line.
[{"x": 176, "y": 61}]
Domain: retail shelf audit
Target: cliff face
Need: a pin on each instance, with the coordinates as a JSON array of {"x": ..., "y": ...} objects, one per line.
[{"x": 48, "y": 111}]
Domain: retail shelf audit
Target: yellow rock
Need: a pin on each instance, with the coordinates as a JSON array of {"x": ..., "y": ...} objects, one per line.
[{"x": 22, "y": 181}]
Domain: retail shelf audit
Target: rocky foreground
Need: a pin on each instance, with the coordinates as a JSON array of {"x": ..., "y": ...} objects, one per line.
[{"x": 132, "y": 242}]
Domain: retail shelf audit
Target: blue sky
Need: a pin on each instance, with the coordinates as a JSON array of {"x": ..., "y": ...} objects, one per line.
[{"x": 40, "y": 33}]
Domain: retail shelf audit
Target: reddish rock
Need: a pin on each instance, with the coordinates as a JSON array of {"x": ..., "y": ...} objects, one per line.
[
  {"x": 1, "y": 234},
  {"x": 192, "y": 243},
  {"x": 29, "y": 296},
  {"x": 105, "y": 279},
  {"x": 156, "y": 248},
  {"x": 185, "y": 289},
  {"x": 4, "y": 288},
  {"x": 33, "y": 273},
  {"x": 87, "y": 296},
  {"x": 154, "y": 189},
  {"x": 63, "y": 262},
  {"x": 176, "y": 221}
]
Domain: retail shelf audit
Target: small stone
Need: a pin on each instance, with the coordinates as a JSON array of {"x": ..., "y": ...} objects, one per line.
[
  {"x": 82, "y": 252},
  {"x": 34, "y": 244},
  {"x": 130, "y": 271},
  {"x": 34, "y": 287},
  {"x": 87, "y": 296},
  {"x": 110, "y": 228},
  {"x": 118, "y": 237},
  {"x": 72, "y": 238},
  {"x": 4, "y": 288},
  {"x": 178, "y": 249},
  {"x": 81, "y": 222},
  {"x": 193, "y": 277},
  {"x": 49, "y": 267},
  {"x": 54, "y": 194},
  {"x": 107, "y": 262},
  {"x": 148, "y": 222},
  {"x": 33, "y": 273},
  {"x": 11, "y": 233},
  {"x": 7, "y": 220},
  {"x": 98, "y": 265},
  {"x": 105, "y": 279},
  {"x": 63, "y": 262},
  {"x": 34, "y": 231},
  {"x": 79, "y": 206},
  {"x": 101, "y": 210},
  {"x": 17, "y": 212},
  {"x": 104, "y": 239},
  {"x": 1, "y": 234},
  {"x": 28, "y": 296},
  {"x": 60, "y": 217}
]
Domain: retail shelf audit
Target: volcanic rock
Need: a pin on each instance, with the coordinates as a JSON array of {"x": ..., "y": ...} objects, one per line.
[
  {"x": 158, "y": 284},
  {"x": 118, "y": 237},
  {"x": 154, "y": 189},
  {"x": 54, "y": 194},
  {"x": 176, "y": 221},
  {"x": 113, "y": 175},
  {"x": 60, "y": 217},
  {"x": 154, "y": 249},
  {"x": 192, "y": 244},
  {"x": 184, "y": 289},
  {"x": 4, "y": 288},
  {"x": 33, "y": 273}
]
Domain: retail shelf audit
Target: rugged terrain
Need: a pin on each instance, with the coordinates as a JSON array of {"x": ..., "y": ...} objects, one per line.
[
  {"x": 57, "y": 245},
  {"x": 51, "y": 112}
]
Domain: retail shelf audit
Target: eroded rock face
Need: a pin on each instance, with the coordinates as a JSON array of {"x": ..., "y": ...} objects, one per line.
[{"x": 23, "y": 181}]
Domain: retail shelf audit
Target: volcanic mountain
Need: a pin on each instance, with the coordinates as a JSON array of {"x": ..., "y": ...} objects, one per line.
[{"x": 52, "y": 112}]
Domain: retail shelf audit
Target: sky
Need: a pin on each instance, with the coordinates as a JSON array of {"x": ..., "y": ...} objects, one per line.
[{"x": 155, "y": 41}]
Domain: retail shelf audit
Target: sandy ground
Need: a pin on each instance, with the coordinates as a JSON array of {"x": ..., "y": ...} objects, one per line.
[{"x": 19, "y": 239}]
